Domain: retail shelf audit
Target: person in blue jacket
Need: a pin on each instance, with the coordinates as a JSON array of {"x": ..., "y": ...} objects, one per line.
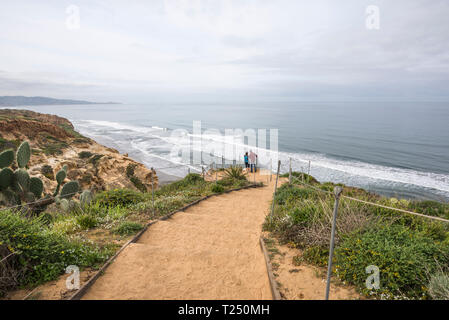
[{"x": 245, "y": 157}]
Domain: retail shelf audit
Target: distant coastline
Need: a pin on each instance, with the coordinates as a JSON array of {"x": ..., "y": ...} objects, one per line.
[{"x": 37, "y": 101}]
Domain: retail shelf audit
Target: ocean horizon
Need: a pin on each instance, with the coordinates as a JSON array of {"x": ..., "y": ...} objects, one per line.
[{"x": 397, "y": 149}]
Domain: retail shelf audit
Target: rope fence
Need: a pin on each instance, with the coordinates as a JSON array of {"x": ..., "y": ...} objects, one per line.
[
  {"x": 338, "y": 194},
  {"x": 376, "y": 204}
]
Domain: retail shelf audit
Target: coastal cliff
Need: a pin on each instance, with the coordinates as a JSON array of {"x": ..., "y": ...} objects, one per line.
[{"x": 55, "y": 143}]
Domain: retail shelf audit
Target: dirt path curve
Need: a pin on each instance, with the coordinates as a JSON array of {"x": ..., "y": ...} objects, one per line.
[{"x": 210, "y": 251}]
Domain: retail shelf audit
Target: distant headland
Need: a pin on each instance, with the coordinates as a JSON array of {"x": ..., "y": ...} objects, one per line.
[{"x": 36, "y": 101}]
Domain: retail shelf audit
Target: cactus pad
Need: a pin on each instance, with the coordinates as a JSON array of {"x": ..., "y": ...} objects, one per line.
[
  {"x": 36, "y": 187},
  {"x": 60, "y": 176},
  {"x": 6, "y": 176},
  {"x": 23, "y": 154},
  {"x": 69, "y": 189},
  {"x": 23, "y": 179},
  {"x": 6, "y": 158}
]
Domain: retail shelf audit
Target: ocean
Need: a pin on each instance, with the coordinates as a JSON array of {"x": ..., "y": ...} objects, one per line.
[{"x": 398, "y": 149}]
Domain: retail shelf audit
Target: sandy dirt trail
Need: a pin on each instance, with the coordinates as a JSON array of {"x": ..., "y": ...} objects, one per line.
[{"x": 210, "y": 251}]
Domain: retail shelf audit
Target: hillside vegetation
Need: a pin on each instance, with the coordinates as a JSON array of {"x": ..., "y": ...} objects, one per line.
[
  {"x": 412, "y": 253},
  {"x": 39, "y": 247}
]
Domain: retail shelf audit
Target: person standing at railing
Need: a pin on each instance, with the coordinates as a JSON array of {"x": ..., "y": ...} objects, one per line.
[
  {"x": 246, "y": 159},
  {"x": 253, "y": 160}
]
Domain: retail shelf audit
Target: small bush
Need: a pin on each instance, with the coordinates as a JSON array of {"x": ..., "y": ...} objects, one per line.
[
  {"x": 118, "y": 197},
  {"x": 95, "y": 158},
  {"x": 235, "y": 172},
  {"x": 439, "y": 286},
  {"x": 192, "y": 178},
  {"x": 300, "y": 175},
  {"x": 431, "y": 208},
  {"x": 287, "y": 193},
  {"x": 216, "y": 188},
  {"x": 127, "y": 228},
  {"x": 53, "y": 146},
  {"x": 318, "y": 255},
  {"x": 47, "y": 171},
  {"x": 138, "y": 184},
  {"x": 86, "y": 221},
  {"x": 85, "y": 154},
  {"x": 130, "y": 170}
]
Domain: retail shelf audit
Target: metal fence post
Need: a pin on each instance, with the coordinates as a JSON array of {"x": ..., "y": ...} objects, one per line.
[
  {"x": 152, "y": 194},
  {"x": 202, "y": 171},
  {"x": 275, "y": 187},
  {"x": 271, "y": 169},
  {"x": 290, "y": 172},
  {"x": 222, "y": 162},
  {"x": 308, "y": 171},
  {"x": 337, "y": 193}
]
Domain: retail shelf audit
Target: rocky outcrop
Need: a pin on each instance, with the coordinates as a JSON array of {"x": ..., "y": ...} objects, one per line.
[{"x": 55, "y": 143}]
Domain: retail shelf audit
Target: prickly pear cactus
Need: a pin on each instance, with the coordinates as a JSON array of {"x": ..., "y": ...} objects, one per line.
[{"x": 18, "y": 188}]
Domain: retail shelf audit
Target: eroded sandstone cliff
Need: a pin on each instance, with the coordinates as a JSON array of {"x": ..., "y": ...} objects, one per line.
[{"x": 54, "y": 143}]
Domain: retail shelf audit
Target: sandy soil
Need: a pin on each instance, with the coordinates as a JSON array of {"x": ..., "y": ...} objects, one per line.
[
  {"x": 52, "y": 290},
  {"x": 304, "y": 281},
  {"x": 210, "y": 251}
]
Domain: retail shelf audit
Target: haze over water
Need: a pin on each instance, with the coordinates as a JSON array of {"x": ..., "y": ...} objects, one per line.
[{"x": 393, "y": 148}]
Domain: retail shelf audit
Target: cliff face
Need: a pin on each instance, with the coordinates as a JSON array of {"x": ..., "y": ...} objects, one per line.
[{"x": 54, "y": 143}]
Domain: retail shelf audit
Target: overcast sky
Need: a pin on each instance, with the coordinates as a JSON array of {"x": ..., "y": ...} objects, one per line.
[{"x": 212, "y": 50}]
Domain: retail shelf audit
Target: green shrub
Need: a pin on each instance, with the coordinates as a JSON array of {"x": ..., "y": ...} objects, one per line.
[
  {"x": 226, "y": 182},
  {"x": 216, "y": 188},
  {"x": 303, "y": 215},
  {"x": 87, "y": 221},
  {"x": 54, "y": 146},
  {"x": 85, "y": 154},
  {"x": 402, "y": 255},
  {"x": 95, "y": 158},
  {"x": 192, "y": 178},
  {"x": 169, "y": 204},
  {"x": 138, "y": 184},
  {"x": 42, "y": 255},
  {"x": 288, "y": 193},
  {"x": 127, "y": 228},
  {"x": 130, "y": 170},
  {"x": 299, "y": 176},
  {"x": 118, "y": 197},
  {"x": 318, "y": 255},
  {"x": 47, "y": 171},
  {"x": 431, "y": 208},
  {"x": 235, "y": 172}
]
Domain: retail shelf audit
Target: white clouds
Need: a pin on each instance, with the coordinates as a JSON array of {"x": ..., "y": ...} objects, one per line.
[{"x": 302, "y": 48}]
